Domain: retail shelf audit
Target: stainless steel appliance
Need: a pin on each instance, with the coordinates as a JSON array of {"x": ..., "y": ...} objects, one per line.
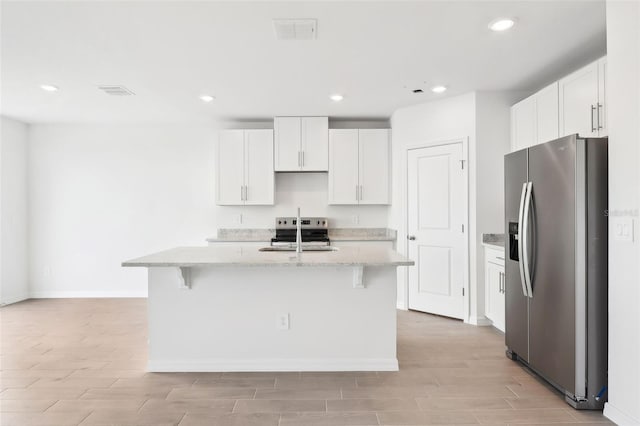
[
  {"x": 556, "y": 267},
  {"x": 314, "y": 232}
]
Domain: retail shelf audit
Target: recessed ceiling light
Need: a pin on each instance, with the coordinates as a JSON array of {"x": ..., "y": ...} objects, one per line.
[
  {"x": 438, "y": 89},
  {"x": 206, "y": 98},
  {"x": 501, "y": 24},
  {"x": 49, "y": 87},
  {"x": 336, "y": 98}
]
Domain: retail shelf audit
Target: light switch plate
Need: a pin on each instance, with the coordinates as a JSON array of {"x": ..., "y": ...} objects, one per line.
[
  {"x": 283, "y": 321},
  {"x": 623, "y": 229}
]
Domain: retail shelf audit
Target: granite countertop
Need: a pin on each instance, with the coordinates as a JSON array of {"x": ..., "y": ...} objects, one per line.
[
  {"x": 250, "y": 256},
  {"x": 496, "y": 240},
  {"x": 226, "y": 235}
]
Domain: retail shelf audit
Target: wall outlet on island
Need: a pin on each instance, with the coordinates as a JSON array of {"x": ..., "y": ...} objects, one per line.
[
  {"x": 283, "y": 321},
  {"x": 355, "y": 219},
  {"x": 239, "y": 219}
]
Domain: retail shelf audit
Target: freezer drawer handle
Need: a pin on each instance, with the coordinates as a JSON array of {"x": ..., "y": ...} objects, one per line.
[
  {"x": 521, "y": 238},
  {"x": 525, "y": 237}
]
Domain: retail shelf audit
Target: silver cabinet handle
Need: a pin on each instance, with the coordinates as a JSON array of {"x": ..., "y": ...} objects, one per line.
[
  {"x": 525, "y": 249},
  {"x": 302, "y": 158},
  {"x": 246, "y": 192},
  {"x": 599, "y": 108},
  {"x": 523, "y": 196},
  {"x": 299, "y": 162},
  {"x": 593, "y": 127},
  {"x": 360, "y": 192}
]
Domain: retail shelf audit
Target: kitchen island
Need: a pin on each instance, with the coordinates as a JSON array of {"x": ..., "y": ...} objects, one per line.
[{"x": 240, "y": 309}]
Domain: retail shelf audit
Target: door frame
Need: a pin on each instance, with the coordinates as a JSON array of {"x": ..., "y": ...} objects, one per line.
[{"x": 465, "y": 155}]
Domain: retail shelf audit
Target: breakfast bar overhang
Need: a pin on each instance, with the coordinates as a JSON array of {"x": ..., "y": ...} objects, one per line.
[{"x": 240, "y": 309}]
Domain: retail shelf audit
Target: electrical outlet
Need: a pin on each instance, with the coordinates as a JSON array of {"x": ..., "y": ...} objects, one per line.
[
  {"x": 239, "y": 219},
  {"x": 283, "y": 322},
  {"x": 355, "y": 219},
  {"x": 623, "y": 229}
]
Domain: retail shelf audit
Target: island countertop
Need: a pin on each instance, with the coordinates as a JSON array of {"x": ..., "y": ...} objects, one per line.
[{"x": 250, "y": 256}]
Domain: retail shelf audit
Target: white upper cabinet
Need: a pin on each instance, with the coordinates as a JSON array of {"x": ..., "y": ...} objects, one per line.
[
  {"x": 343, "y": 166},
  {"x": 547, "y": 119},
  {"x": 301, "y": 144},
  {"x": 245, "y": 168},
  {"x": 535, "y": 119},
  {"x": 359, "y": 166},
  {"x": 523, "y": 124},
  {"x": 373, "y": 166},
  {"x": 258, "y": 167},
  {"x": 582, "y": 101}
]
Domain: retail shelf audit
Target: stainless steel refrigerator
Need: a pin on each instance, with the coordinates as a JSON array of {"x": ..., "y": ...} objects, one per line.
[{"x": 556, "y": 265}]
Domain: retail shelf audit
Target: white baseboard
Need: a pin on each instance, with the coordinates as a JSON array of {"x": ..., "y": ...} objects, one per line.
[
  {"x": 401, "y": 306},
  {"x": 218, "y": 365},
  {"x": 481, "y": 321},
  {"x": 14, "y": 299},
  {"x": 85, "y": 294},
  {"x": 618, "y": 417}
]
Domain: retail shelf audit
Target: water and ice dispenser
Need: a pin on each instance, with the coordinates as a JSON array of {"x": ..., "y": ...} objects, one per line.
[{"x": 513, "y": 241}]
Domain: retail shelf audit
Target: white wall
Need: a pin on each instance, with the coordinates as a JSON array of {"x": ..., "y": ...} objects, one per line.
[
  {"x": 14, "y": 285},
  {"x": 443, "y": 120},
  {"x": 102, "y": 194},
  {"x": 481, "y": 118},
  {"x": 493, "y": 123},
  {"x": 623, "y": 100}
]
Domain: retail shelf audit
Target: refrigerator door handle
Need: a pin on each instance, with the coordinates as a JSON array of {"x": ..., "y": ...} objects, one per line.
[
  {"x": 525, "y": 239},
  {"x": 523, "y": 196}
]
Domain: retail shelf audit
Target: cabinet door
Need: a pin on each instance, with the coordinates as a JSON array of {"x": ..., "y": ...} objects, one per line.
[
  {"x": 523, "y": 124},
  {"x": 374, "y": 166},
  {"x": 287, "y": 144},
  {"x": 493, "y": 289},
  {"x": 547, "y": 116},
  {"x": 602, "y": 97},
  {"x": 315, "y": 144},
  {"x": 343, "y": 166},
  {"x": 258, "y": 167},
  {"x": 499, "y": 302},
  {"x": 578, "y": 94},
  {"x": 230, "y": 168}
]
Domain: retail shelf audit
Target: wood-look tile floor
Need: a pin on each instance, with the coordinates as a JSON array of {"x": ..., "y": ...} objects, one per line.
[{"x": 82, "y": 362}]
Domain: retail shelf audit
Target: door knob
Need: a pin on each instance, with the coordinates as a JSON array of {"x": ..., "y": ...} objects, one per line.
[{"x": 411, "y": 237}]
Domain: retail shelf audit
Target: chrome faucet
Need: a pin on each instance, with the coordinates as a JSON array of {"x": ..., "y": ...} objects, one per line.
[{"x": 298, "y": 233}]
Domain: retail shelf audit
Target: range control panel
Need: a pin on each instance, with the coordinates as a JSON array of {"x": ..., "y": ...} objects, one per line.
[{"x": 305, "y": 222}]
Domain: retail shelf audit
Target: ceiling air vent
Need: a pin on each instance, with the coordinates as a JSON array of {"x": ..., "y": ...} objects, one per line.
[
  {"x": 116, "y": 90},
  {"x": 295, "y": 29}
]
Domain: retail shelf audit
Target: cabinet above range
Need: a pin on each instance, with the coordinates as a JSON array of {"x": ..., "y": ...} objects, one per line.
[{"x": 301, "y": 144}]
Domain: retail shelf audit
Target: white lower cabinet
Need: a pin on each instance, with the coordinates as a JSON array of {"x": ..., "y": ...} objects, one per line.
[
  {"x": 494, "y": 287},
  {"x": 245, "y": 174}
]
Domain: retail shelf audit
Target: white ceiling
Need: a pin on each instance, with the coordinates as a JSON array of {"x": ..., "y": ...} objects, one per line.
[{"x": 169, "y": 53}]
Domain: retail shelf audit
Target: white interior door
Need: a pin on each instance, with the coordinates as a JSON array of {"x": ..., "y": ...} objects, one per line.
[
  {"x": 437, "y": 193},
  {"x": 258, "y": 166}
]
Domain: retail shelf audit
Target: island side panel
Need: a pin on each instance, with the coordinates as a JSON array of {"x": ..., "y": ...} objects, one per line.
[{"x": 228, "y": 320}]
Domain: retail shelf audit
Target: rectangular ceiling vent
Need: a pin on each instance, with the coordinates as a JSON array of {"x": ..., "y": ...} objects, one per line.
[
  {"x": 116, "y": 90},
  {"x": 295, "y": 29}
]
